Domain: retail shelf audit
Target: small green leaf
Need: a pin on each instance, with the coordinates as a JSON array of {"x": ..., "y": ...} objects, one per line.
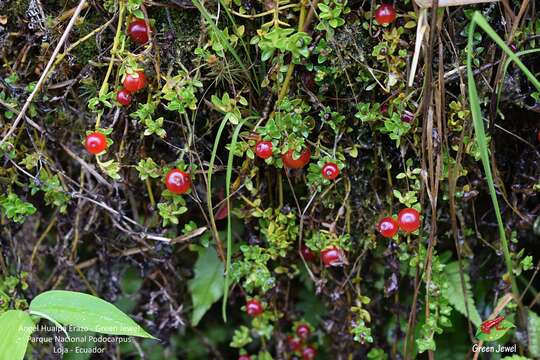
[
  {"x": 241, "y": 337},
  {"x": 86, "y": 312},
  {"x": 138, "y": 14},
  {"x": 207, "y": 285},
  {"x": 16, "y": 326}
]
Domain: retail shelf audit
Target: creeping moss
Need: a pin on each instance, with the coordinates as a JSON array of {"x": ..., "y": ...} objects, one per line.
[
  {"x": 178, "y": 33},
  {"x": 17, "y": 8},
  {"x": 88, "y": 49}
]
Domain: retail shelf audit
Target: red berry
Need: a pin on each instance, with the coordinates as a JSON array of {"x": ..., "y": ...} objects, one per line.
[
  {"x": 538, "y": 135},
  {"x": 290, "y": 162},
  {"x": 177, "y": 181},
  {"x": 244, "y": 357},
  {"x": 309, "y": 353},
  {"x": 332, "y": 256},
  {"x": 138, "y": 31},
  {"x": 264, "y": 149},
  {"x": 303, "y": 331},
  {"x": 95, "y": 143},
  {"x": 134, "y": 82},
  {"x": 123, "y": 97},
  {"x": 385, "y": 14},
  {"x": 330, "y": 171},
  {"x": 294, "y": 343},
  {"x": 388, "y": 227},
  {"x": 409, "y": 220},
  {"x": 254, "y": 308},
  {"x": 307, "y": 254}
]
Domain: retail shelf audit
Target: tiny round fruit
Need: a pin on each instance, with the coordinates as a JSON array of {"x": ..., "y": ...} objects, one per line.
[
  {"x": 177, "y": 181},
  {"x": 292, "y": 163},
  {"x": 303, "y": 331},
  {"x": 538, "y": 135},
  {"x": 409, "y": 220},
  {"x": 134, "y": 82},
  {"x": 388, "y": 227},
  {"x": 330, "y": 171},
  {"x": 123, "y": 97},
  {"x": 307, "y": 254},
  {"x": 244, "y": 357},
  {"x": 254, "y": 308},
  {"x": 138, "y": 31},
  {"x": 264, "y": 149},
  {"x": 385, "y": 14},
  {"x": 309, "y": 353},
  {"x": 95, "y": 143},
  {"x": 294, "y": 343},
  {"x": 332, "y": 256}
]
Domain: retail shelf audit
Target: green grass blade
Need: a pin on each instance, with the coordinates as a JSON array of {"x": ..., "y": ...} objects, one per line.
[
  {"x": 479, "y": 129},
  {"x": 479, "y": 20},
  {"x": 209, "y": 175},
  {"x": 229, "y": 224},
  {"x": 244, "y": 46}
]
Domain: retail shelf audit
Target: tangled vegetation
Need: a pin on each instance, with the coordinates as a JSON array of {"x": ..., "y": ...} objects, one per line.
[{"x": 269, "y": 179}]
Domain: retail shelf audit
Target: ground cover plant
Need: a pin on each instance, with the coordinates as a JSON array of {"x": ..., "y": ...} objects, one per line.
[{"x": 252, "y": 179}]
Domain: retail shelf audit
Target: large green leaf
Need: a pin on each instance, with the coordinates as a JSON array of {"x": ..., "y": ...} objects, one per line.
[
  {"x": 456, "y": 297},
  {"x": 533, "y": 327},
  {"x": 16, "y": 326},
  {"x": 86, "y": 312},
  {"x": 207, "y": 285}
]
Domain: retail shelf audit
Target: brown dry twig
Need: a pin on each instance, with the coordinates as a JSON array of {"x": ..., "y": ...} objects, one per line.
[{"x": 45, "y": 73}]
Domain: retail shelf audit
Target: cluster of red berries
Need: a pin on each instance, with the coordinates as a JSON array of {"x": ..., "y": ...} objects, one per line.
[
  {"x": 296, "y": 343},
  {"x": 255, "y": 308},
  {"x": 138, "y": 32},
  {"x": 408, "y": 220},
  {"x": 385, "y": 14},
  {"x": 176, "y": 181},
  {"x": 96, "y": 142},
  {"x": 263, "y": 149},
  {"x": 132, "y": 83}
]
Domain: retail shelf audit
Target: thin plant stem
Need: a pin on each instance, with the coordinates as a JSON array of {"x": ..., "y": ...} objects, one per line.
[
  {"x": 105, "y": 83},
  {"x": 479, "y": 129},
  {"x": 228, "y": 176},
  {"x": 290, "y": 69}
]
